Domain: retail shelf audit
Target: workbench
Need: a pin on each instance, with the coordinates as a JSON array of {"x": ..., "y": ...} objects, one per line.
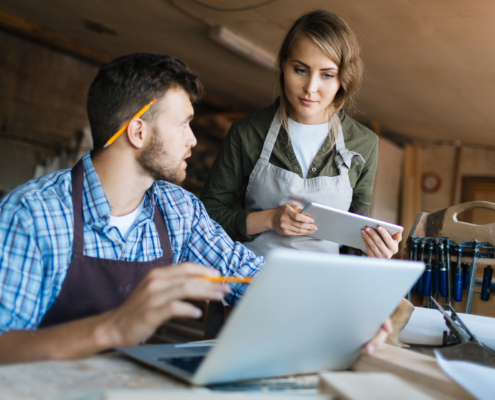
[{"x": 112, "y": 376}]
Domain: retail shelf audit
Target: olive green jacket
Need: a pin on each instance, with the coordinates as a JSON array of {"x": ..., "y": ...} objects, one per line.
[{"x": 242, "y": 149}]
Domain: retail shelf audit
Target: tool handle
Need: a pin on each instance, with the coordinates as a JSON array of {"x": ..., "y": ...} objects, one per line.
[
  {"x": 466, "y": 276},
  {"x": 435, "y": 278},
  {"x": 487, "y": 283},
  {"x": 419, "y": 287},
  {"x": 458, "y": 285},
  {"x": 427, "y": 282},
  {"x": 460, "y": 208},
  {"x": 443, "y": 280}
]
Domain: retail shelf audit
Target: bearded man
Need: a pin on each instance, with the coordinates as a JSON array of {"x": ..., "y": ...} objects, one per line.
[{"x": 99, "y": 256}]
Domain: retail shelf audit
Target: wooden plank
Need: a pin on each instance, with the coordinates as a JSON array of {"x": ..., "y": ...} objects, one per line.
[
  {"x": 30, "y": 30},
  {"x": 369, "y": 386},
  {"x": 414, "y": 367}
]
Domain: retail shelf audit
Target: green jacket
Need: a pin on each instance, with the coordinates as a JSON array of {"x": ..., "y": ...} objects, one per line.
[{"x": 242, "y": 148}]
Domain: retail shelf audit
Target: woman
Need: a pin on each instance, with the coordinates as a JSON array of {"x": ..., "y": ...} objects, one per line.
[{"x": 327, "y": 157}]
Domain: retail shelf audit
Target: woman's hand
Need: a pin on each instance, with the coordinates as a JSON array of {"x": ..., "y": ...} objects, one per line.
[
  {"x": 285, "y": 220},
  {"x": 385, "y": 330},
  {"x": 380, "y": 244},
  {"x": 288, "y": 221}
]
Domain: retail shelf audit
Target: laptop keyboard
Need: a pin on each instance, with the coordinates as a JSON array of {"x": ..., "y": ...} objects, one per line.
[{"x": 190, "y": 364}]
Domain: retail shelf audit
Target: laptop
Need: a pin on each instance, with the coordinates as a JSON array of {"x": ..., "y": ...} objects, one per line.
[{"x": 304, "y": 312}]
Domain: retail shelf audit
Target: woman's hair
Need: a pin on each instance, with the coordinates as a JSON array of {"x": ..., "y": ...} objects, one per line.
[{"x": 338, "y": 42}]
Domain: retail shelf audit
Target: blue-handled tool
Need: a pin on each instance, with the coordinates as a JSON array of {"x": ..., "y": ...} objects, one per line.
[
  {"x": 487, "y": 283},
  {"x": 435, "y": 273},
  {"x": 413, "y": 256},
  {"x": 427, "y": 274},
  {"x": 421, "y": 278},
  {"x": 458, "y": 276},
  {"x": 450, "y": 278},
  {"x": 443, "y": 273}
]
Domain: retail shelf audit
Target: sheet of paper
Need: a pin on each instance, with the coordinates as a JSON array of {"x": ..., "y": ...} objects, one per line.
[
  {"x": 426, "y": 326},
  {"x": 476, "y": 379}
]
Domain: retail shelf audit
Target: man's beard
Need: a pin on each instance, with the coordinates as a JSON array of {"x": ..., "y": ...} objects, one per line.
[{"x": 153, "y": 161}]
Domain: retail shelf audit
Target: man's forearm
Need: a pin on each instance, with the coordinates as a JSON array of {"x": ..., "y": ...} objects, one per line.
[{"x": 66, "y": 341}]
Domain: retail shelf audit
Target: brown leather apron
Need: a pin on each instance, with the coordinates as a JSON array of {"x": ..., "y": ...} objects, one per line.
[{"x": 95, "y": 285}]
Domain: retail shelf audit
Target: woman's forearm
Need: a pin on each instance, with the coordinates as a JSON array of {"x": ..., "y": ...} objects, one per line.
[{"x": 259, "y": 221}]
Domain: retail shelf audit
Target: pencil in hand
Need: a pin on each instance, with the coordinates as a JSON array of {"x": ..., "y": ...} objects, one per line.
[{"x": 226, "y": 279}]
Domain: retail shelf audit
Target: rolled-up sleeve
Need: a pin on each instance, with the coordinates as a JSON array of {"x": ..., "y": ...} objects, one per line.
[{"x": 209, "y": 245}]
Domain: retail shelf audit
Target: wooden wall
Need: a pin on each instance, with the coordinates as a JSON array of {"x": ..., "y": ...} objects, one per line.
[
  {"x": 42, "y": 106},
  {"x": 386, "y": 192},
  {"x": 452, "y": 164}
]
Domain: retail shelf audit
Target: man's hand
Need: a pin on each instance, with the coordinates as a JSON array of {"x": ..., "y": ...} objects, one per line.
[
  {"x": 287, "y": 220},
  {"x": 380, "y": 337},
  {"x": 380, "y": 244},
  {"x": 155, "y": 300},
  {"x": 158, "y": 298}
]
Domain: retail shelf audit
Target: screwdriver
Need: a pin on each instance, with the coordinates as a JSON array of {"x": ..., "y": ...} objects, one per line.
[
  {"x": 420, "y": 281},
  {"x": 427, "y": 274},
  {"x": 435, "y": 275},
  {"x": 414, "y": 247},
  {"x": 458, "y": 276},
  {"x": 487, "y": 283},
  {"x": 443, "y": 273}
]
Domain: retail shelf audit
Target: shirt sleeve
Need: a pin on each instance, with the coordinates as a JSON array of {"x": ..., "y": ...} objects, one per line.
[
  {"x": 227, "y": 178},
  {"x": 21, "y": 271},
  {"x": 211, "y": 246},
  {"x": 363, "y": 191}
]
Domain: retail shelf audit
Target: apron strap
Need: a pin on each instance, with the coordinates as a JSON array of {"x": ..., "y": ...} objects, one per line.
[
  {"x": 344, "y": 157},
  {"x": 162, "y": 230},
  {"x": 77, "y": 174},
  {"x": 271, "y": 137}
]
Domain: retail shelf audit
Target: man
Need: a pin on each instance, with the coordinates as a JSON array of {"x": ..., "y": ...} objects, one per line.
[{"x": 101, "y": 255}]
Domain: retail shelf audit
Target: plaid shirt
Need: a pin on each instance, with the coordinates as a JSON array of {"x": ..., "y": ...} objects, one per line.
[{"x": 36, "y": 234}]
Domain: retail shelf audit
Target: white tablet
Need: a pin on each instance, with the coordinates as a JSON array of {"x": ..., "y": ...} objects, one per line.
[{"x": 343, "y": 227}]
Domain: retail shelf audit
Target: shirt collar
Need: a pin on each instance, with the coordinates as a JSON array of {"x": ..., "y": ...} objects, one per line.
[
  {"x": 96, "y": 207},
  {"x": 95, "y": 203}
]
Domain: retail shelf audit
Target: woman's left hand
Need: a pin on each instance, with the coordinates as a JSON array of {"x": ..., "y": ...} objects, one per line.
[{"x": 380, "y": 244}]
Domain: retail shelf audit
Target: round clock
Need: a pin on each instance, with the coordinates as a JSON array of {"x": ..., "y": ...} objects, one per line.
[{"x": 431, "y": 182}]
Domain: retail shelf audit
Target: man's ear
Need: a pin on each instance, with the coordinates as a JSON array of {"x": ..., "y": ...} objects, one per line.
[{"x": 138, "y": 133}]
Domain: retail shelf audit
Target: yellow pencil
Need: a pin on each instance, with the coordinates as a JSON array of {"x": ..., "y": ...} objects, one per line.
[
  {"x": 226, "y": 279},
  {"x": 119, "y": 132}
]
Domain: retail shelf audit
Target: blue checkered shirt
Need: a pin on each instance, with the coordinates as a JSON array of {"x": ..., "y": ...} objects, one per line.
[{"x": 36, "y": 234}]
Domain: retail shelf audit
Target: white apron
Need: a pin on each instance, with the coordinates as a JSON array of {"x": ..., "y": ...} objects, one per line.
[{"x": 271, "y": 187}]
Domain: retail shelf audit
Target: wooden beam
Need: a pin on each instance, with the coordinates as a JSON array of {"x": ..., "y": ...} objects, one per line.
[
  {"x": 376, "y": 127},
  {"x": 456, "y": 178},
  {"x": 32, "y": 31},
  {"x": 411, "y": 190}
]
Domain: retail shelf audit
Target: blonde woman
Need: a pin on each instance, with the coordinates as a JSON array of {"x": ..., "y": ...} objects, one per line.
[{"x": 304, "y": 148}]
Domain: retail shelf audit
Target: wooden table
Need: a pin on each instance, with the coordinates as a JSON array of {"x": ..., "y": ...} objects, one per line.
[
  {"x": 86, "y": 379},
  {"x": 93, "y": 377},
  {"x": 112, "y": 376}
]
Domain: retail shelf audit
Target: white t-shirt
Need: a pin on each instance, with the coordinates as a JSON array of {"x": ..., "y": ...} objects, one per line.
[
  {"x": 124, "y": 222},
  {"x": 306, "y": 141}
]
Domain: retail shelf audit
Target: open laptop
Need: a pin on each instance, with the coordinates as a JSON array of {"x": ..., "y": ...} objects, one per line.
[{"x": 305, "y": 312}]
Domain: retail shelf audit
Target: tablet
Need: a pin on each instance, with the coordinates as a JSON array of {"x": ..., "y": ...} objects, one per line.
[{"x": 343, "y": 227}]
